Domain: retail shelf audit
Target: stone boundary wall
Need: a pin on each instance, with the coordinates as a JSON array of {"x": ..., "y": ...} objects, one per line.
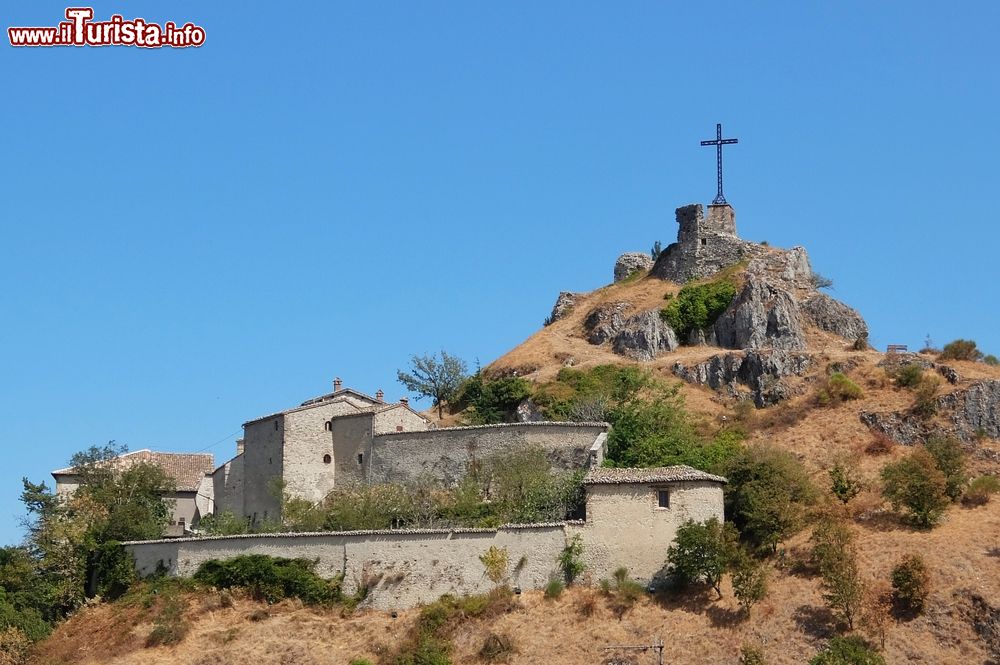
[
  {"x": 445, "y": 454},
  {"x": 414, "y": 566}
]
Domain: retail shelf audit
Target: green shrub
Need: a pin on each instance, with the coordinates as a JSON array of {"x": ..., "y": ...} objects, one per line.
[
  {"x": 496, "y": 647},
  {"x": 950, "y": 460},
  {"x": 835, "y": 556},
  {"x": 850, "y": 650},
  {"x": 908, "y": 375},
  {"x": 360, "y": 661},
  {"x": 910, "y": 585},
  {"x": 571, "y": 559},
  {"x": 696, "y": 307},
  {"x": 838, "y": 389},
  {"x": 702, "y": 552},
  {"x": 915, "y": 485},
  {"x": 113, "y": 568},
  {"x": 622, "y": 592},
  {"x": 749, "y": 577},
  {"x": 495, "y": 560},
  {"x": 554, "y": 588},
  {"x": 925, "y": 403},
  {"x": 980, "y": 490},
  {"x": 169, "y": 626},
  {"x": 751, "y": 654},
  {"x": 843, "y": 483},
  {"x": 270, "y": 578},
  {"x": 225, "y": 523},
  {"x": 491, "y": 400},
  {"x": 991, "y": 360},
  {"x": 15, "y": 647},
  {"x": 960, "y": 349}
]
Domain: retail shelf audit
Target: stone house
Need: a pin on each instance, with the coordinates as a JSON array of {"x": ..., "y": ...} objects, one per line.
[
  {"x": 190, "y": 501},
  {"x": 632, "y": 517}
]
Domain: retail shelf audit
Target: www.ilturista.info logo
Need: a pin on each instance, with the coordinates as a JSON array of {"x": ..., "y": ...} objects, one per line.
[{"x": 81, "y": 30}]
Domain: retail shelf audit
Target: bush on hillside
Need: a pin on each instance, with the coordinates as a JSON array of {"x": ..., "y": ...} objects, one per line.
[
  {"x": 850, "y": 650},
  {"x": 697, "y": 307},
  {"x": 917, "y": 487},
  {"x": 961, "y": 349},
  {"x": 844, "y": 483},
  {"x": 749, "y": 578},
  {"x": 838, "y": 389},
  {"x": 925, "y": 403},
  {"x": 490, "y": 400},
  {"x": 270, "y": 578},
  {"x": 908, "y": 375},
  {"x": 15, "y": 646},
  {"x": 991, "y": 360},
  {"x": 980, "y": 490},
  {"x": 949, "y": 457},
  {"x": 702, "y": 552},
  {"x": 836, "y": 558},
  {"x": 910, "y": 585}
]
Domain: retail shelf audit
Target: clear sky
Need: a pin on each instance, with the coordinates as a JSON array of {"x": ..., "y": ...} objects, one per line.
[{"x": 192, "y": 238}]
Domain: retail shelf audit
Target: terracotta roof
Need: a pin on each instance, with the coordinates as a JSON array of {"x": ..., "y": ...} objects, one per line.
[
  {"x": 187, "y": 469},
  {"x": 662, "y": 474}
]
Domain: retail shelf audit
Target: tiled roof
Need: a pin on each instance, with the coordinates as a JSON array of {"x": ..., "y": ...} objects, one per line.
[
  {"x": 662, "y": 474},
  {"x": 187, "y": 469}
]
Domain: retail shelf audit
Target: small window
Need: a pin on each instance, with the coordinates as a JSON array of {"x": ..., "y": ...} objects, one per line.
[
  {"x": 275, "y": 425},
  {"x": 663, "y": 498},
  {"x": 399, "y": 428},
  {"x": 328, "y": 426},
  {"x": 327, "y": 459},
  {"x": 704, "y": 241},
  {"x": 180, "y": 522},
  {"x": 361, "y": 458}
]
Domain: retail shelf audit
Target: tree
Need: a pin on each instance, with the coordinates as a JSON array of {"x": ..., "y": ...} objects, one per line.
[
  {"x": 850, "y": 650},
  {"x": 834, "y": 552},
  {"x": 656, "y": 250},
  {"x": 950, "y": 460},
  {"x": 437, "y": 378},
  {"x": 915, "y": 484},
  {"x": 749, "y": 578},
  {"x": 910, "y": 585},
  {"x": 703, "y": 551},
  {"x": 876, "y": 611},
  {"x": 843, "y": 483}
]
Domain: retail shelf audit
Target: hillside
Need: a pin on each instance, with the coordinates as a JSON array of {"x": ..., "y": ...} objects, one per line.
[{"x": 761, "y": 365}]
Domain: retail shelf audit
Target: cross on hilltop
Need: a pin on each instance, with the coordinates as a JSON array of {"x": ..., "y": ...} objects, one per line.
[{"x": 718, "y": 143}]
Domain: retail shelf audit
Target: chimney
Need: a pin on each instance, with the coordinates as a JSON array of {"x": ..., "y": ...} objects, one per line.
[
  {"x": 239, "y": 446},
  {"x": 337, "y": 383},
  {"x": 379, "y": 395},
  {"x": 404, "y": 400}
]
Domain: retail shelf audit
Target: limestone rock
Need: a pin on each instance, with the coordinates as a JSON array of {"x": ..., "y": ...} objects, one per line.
[
  {"x": 975, "y": 410},
  {"x": 528, "y": 412},
  {"x": 645, "y": 336},
  {"x": 760, "y": 371},
  {"x": 899, "y": 426},
  {"x": 834, "y": 316},
  {"x": 564, "y": 303},
  {"x": 762, "y": 315},
  {"x": 630, "y": 262},
  {"x": 605, "y": 321},
  {"x": 949, "y": 373}
]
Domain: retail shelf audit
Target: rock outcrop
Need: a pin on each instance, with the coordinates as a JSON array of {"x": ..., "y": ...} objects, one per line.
[
  {"x": 564, "y": 305},
  {"x": 834, "y": 316},
  {"x": 644, "y": 337},
  {"x": 631, "y": 262},
  {"x": 605, "y": 321},
  {"x": 761, "y": 372},
  {"x": 976, "y": 410},
  {"x": 761, "y": 316}
]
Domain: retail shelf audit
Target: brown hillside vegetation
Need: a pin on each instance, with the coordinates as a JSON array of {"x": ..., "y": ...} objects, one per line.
[{"x": 791, "y": 624}]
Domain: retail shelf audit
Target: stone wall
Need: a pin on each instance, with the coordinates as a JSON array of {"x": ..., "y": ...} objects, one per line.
[
  {"x": 399, "y": 418},
  {"x": 414, "y": 566},
  {"x": 307, "y": 442},
  {"x": 445, "y": 454},
  {"x": 227, "y": 487},
  {"x": 626, "y": 527},
  {"x": 262, "y": 464}
]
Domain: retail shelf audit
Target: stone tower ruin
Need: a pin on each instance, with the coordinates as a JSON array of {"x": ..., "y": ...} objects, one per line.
[{"x": 705, "y": 244}]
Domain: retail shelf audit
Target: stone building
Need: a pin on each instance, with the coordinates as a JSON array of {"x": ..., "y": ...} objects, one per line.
[
  {"x": 347, "y": 437},
  {"x": 632, "y": 517},
  {"x": 189, "y": 502}
]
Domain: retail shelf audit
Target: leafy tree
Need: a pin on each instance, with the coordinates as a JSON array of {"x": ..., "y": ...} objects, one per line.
[
  {"x": 767, "y": 494},
  {"x": 834, "y": 552},
  {"x": 916, "y": 485},
  {"x": 749, "y": 576},
  {"x": 702, "y": 552},
  {"x": 434, "y": 377},
  {"x": 910, "y": 585},
  {"x": 696, "y": 307},
  {"x": 850, "y": 650},
  {"x": 492, "y": 400},
  {"x": 950, "y": 460},
  {"x": 961, "y": 349},
  {"x": 876, "y": 611}
]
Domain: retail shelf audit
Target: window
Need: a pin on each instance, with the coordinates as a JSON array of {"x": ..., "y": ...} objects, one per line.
[
  {"x": 704, "y": 241},
  {"x": 663, "y": 498},
  {"x": 327, "y": 459},
  {"x": 275, "y": 425},
  {"x": 180, "y": 522},
  {"x": 399, "y": 428},
  {"x": 361, "y": 458}
]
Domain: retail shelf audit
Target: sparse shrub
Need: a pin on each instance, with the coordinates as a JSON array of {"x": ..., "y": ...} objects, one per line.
[
  {"x": 752, "y": 654},
  {"x": 991, "y": 360},
  {"x": 834, "y": 552},
  {"x": 767, "y": 495},
  {"x": 15, "y": 646},
  {"x": 360, "y": 661},
  {"x": 495, "y": 560},
  {"x": 702, "y": 552},
  {"x": 876, "y": 611},
  {"x": 656, "y": 250},
  {"x": 622, "y": 591},
  {"x": 270, "y": 578},
  {"x": 570, "y": 559},
  {"x": 259, "y": 614},
  {"x": 916, "y": 485},
  {"x": 950, "y": 460},
  {"x": 850, "y": 650},
  {"x": 838, "y": 389},
  {"x": 696, "y": 307},
  {"x": 169, "y": 626},
  {"x": 925, "y": 403},
  {"x": 225, "y": 523},
  {"x": 844, "y": 483},
  {"x": 821, "y": 282},
  {"x": 881, "y": 444},
  {"x": 980, "y": 490},
  {"x": 910, "y": 585},
  {"x": 960, "y": 349},
  {"x": 749, "y": 579},
  {"x": 861, "y": 343},
  {"x": 496, "y": 648},
  {"x": 908, "y": 375},
  {"x": 554, "y": 589},
  {"x": 586, "y": 602}
]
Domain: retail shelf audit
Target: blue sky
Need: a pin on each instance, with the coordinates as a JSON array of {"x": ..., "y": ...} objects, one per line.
[{"x": 192, "y": 238}]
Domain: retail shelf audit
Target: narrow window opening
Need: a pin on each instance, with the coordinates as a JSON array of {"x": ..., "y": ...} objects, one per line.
[
  {"x": 663, "y": 498},
  {"x": 399, "y": 428},
  {"x": 180, "y": 522},
  {"x": 328, "y": 426},
  {"x": 361, "y": 458},
  {"x": 275, "y": 425},
  {"x": 704, "y": 241},
  {"x": 327, "y": 459}
]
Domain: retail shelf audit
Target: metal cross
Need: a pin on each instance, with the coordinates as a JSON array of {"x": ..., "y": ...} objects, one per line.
[{"x": 718, "y": 143}]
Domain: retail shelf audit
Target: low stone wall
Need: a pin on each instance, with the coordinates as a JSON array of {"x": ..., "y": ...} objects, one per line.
[
  {"x": 415, "y": 566},
  {"x": 444, "y": 454}
]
